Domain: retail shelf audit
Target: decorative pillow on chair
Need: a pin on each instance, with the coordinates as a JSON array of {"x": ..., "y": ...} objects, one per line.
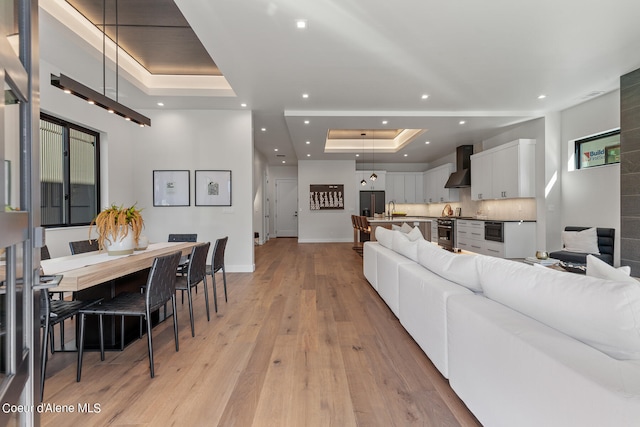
[
  {"x": 585, "y": 241},
  {"x": 600, "y": 269}
]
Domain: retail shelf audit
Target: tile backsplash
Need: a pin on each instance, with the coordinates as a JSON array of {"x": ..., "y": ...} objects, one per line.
[{"x": 509, "y": 209}]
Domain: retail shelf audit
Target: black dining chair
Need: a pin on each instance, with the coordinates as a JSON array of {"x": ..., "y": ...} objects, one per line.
[
  {"x": 160, "y": 288},
  {"x": 54, "y": 312},
  {"x": 82, "y": 246},
  {"x": 217, "y": 264},
  {"x": 184, "y": 261},
  {"x": 196, "y": 273}
]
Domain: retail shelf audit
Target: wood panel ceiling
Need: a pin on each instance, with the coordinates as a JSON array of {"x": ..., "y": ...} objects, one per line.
[{"x": 153, "y": 32}]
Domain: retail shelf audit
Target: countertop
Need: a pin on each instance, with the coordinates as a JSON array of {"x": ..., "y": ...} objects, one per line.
[{"x": 432, "y": 218}]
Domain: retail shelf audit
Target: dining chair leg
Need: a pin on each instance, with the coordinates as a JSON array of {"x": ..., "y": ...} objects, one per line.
[
  {"x": 62, "y": 335},
  {"x": 224, "y": 279},
  {"x": 149, "y": 343},
  {"x": 43, "y": 358},
  {"x": 101, "y": 339},
  {"x": 80, "y": 347},
  {"x": 206, "y": 296},
  {"x": 175, "y": 321},
  {"x": 215, "y": 293},
  {"x": 193, "y": 333}
]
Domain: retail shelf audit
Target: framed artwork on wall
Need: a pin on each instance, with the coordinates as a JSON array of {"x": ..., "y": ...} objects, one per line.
[
  {"x": 326, "y": 197},
  {"x": 213, "y": 188},
  {"x": 171, "y": 188}
]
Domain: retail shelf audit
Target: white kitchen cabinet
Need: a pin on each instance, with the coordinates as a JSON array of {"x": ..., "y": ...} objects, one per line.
[
  {"x": 518, "y": 239},
  {"x": 434, "y": 181},
  {"x": 504, "y": 172},
  {"x": 403, "y": 187}
]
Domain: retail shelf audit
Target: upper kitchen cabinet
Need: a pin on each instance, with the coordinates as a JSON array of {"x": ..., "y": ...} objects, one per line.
[
  {"x": 434, "y": 181},
  {"x": 378, "y": 184},
  {"x": 404, "y": 187},
  {"x": 504, "y": 172}
]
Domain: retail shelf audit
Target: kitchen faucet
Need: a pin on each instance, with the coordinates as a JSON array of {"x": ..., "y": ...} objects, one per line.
[{"x": 391, "y": 211}]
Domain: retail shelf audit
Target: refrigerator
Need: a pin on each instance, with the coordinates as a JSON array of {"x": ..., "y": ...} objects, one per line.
[{"x": 371, "y": 202}]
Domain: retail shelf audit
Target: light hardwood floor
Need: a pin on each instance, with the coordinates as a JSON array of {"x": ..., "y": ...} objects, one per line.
[{"x": 303, "y": 341}]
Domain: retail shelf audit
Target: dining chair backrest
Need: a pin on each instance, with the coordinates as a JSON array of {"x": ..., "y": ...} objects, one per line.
[
  {"x": 161, "y": 283},
  {"x": 217, "y": 261},
  {"x": 44, "y": 253},
  {"x": 82, "y": 246},
  {"x": 198, "y": 263},
  {"x": 183, "y": 237}
]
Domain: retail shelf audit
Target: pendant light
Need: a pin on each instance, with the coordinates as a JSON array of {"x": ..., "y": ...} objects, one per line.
[
  {"x": 363, "y": 182},
  {"x": 373, "y": 176},
  {"x": 68, "y": 85}
]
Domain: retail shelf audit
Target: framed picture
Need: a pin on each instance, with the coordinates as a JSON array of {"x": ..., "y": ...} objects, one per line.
[
  {"x": 213, "y": 188},
  {"x": 171, "y": 188},
  {"x": 325, "y": 197}
]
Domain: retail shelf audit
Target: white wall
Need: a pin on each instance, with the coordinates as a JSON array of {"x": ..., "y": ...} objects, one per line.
[
  {"x": 591, "y": 197},
  {"x": 325, "y": 225},
  {"x": 260, "y": 175}
]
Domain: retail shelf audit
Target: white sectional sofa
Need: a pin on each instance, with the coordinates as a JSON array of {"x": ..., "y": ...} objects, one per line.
[{"x": 520, "y": 345}]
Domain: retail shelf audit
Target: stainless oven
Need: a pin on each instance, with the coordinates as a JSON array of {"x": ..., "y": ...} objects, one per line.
[
  {"x": 494, "y": 231},
  {"x": 446, "y": 233}
]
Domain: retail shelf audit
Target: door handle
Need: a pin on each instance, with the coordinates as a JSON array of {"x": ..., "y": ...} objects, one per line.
[{"x": 295, "y": 213}]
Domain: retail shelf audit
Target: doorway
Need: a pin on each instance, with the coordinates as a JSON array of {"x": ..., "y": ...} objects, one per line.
[{"x": 286, "y": 222}]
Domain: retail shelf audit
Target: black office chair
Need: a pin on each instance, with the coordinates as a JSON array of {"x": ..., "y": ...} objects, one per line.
[
  {"x": 51, "y": 313},
  {"x": 160, "y": 289},
  {"x": 217, "y": 264},
  {"x": 196, "y": 273},
  {"x": 82, "y": 246}
]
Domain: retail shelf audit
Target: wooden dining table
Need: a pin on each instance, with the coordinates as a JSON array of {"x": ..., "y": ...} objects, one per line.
[
  {"x": 83, "y": 271},
  {"x": 94, "y": 275}
]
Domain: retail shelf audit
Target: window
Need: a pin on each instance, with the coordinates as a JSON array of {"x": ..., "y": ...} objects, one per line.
[
  {"x": 69, "y": 183},
  {"x": 598, "y": 150}
]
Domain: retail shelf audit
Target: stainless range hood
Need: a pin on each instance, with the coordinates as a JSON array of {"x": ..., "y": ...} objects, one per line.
[{"x": 462, "y": 176}]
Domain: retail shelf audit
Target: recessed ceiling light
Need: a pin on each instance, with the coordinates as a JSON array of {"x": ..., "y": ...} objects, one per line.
[
  {"x": 308, "y": 155},
  {"x": 306, "y": 122},
  {"x": 462, "y": 122},
  {"x": 67, "y": 91},
  {"x": 425, "y": 96},
  {"x": 384, "y": 122},
  {"x": 92, "y": 102},
  {"x": 305, "y": 95},
  {"x": 308, "y": 142},
  {"x": 263, "y": 129},
  {"x": 243, "y": 105},
  {"x": 160, "y": 104},
  {"x": 543, "y": 96},
  {"x": 357, "y": 155},
  {"x": 284, "y": 161},
  {"x": 405, "y": 154},
  {"x": 275, "y": 149},
  {"x": 427, "y": 142},
  {"x": 128, "y": 119},
  {"x": 301, "y": 24}
]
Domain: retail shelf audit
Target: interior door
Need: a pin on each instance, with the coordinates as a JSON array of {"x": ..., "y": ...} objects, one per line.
[
  {"x": 286, "y": 208},
  {"x": 19, "y": 317}
]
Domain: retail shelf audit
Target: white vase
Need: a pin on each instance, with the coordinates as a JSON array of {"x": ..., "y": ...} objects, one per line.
[{"x": 120, "y": 245}]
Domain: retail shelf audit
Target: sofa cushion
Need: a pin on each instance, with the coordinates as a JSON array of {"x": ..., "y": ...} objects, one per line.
[
  {"x": 401, "y": 244},
  {"x": 585, "y": 241},
  {"x": 604, "y": 314},
  {"x": 458, "y": 268},
  {"x": 415, "y": 234},
  {"x": 384, "y": 236},
  {"x": 600, "y": 269}
]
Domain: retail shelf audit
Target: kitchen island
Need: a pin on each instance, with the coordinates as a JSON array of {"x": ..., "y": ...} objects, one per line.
[{"x": 423, "y": 223}]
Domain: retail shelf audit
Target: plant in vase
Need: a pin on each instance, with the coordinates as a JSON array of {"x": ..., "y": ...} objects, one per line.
[{"x": 118, "y": 229}]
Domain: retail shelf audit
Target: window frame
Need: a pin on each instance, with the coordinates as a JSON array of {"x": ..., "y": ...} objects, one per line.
[
  {"x": 66, "y": 202},
  {"x": 578, "y": 143}
]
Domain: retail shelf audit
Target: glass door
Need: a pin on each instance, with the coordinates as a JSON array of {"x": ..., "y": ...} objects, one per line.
[{"x": 19, "y": 319}]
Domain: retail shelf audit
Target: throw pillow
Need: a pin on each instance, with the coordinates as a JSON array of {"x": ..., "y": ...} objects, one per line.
[
  {"x": 415, "y": 234},
  {"x": 395, "y": 227},
  {"x": 585, "y": 241},
  {"x": 458, "y": 268},
  {"x": 402, "y": 245},
  {"x": 406, "y": 228},
  {"x": 600, "y": 269},
  {"x": 384, "y": 236}
]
